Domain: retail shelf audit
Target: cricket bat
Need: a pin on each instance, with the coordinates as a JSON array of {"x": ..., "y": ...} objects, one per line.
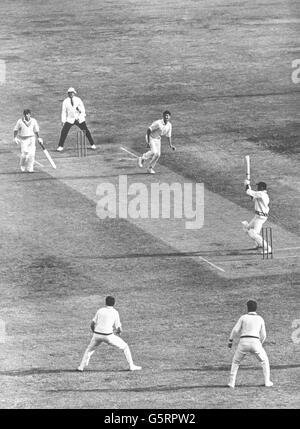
[
  {"x": 247, "y": 157},
  {"x": 47, "y": 155}
]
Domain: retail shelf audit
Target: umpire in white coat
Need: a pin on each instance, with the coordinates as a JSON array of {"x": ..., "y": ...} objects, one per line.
[{"x": 73, "y": 113}]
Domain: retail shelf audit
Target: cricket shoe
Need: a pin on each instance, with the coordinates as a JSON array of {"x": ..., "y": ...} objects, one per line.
[
  {"x": 141, "y": 162},
  {"x": 22, "y": 168},
  {"x": 93, "y": 147},
  {"x": 266, "y": 252},
  {"x": 269, "y": 384},
  {"x": 79, "y": 369},
  {"x": 59, "y": 149},
  {"x": 135, "y": 368},
  {"x": 151, "y": 171},
  {"x": 230, "y": 385}
]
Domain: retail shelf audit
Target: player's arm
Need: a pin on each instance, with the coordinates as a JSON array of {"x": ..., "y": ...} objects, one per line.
[
  {"x": 37, "y": 132},
  {"x": 80, "y": 108},
  {"x": 263, "y": 334},
  {"x": 117, "y": 325},
  {"x": 16, "y": 130},
  {"x": 64, "y": 113},
  {"x": 251, "y": 193},
  {"x": 148, "y": 135},
  {"x": 170, "y": 143},
  {"x": 236, "y": 329},
  {"x": 169, "y": 137}
]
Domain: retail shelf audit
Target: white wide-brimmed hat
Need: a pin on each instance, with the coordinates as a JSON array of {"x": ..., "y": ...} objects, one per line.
[{"x": 72, "y": 90}]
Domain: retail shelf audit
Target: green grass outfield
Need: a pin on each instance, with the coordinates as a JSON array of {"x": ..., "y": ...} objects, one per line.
[{"x": 224, "y": 71}]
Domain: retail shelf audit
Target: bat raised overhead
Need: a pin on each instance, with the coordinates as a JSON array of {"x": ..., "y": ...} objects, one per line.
[{"x": 247, "y": 158}]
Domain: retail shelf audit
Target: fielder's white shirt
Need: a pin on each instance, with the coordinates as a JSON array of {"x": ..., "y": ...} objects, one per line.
[
  {"x": 106, "y": 319},
  {"x": 250, "y": 324},
  {"x": 261, "y": 200},
  {"x": 26, "y": 129},
  {"x": 159, "y": 128},
  {"x": 71, "y": 113}
]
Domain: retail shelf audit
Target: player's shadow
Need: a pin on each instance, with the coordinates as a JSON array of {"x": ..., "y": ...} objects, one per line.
[
  {"x": 38, "y": 371},
  {"x": 164, "y": 388},
  {"x": 207, "y": 368},
  {"x": 169, "y": 254}
]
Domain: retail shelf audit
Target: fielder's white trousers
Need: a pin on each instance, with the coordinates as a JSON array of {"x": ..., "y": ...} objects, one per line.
[
  {"x": 27, "y": 152},
  {"x": 154, "y": 152},
  {"x": 252, "y": 346},
  {"x": 254, "y": 229},
  {"x": 112, "y": 340}
]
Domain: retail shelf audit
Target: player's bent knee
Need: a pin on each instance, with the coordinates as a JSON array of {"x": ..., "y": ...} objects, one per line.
[{"x": 124, "y": 347}]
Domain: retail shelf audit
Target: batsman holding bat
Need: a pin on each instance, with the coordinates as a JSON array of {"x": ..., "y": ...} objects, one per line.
[
  {"x": 261, "y": 206},
  {"x": 25, "y": 133},
  {"x": 159, "y": 128}
]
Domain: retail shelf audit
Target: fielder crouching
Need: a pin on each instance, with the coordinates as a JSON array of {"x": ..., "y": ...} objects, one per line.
[
  {"x": 252, "y": 331},
  {"x": 105, "y": 322}
]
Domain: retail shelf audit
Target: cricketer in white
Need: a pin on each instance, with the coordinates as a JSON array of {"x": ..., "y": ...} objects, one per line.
[
  {"x": 159, "y": 128},
  {"x": 105, "y": 322},
  {"x": 252, "y": 331},
  {"x": 261, "y": 207},
  {"x": 25, "y": 133}
]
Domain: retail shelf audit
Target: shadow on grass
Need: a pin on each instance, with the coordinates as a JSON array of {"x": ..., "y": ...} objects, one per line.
[
  {"x": 50, "y": 178},
  {"x": 144, "y": 389},
  {"x": 37, "y": 371},
  {"x": 227, "y": 368},
  {"x": 231, "y": 252},
  {"x": 208, "y": 368},
  {"x": 156, "y": 388}
]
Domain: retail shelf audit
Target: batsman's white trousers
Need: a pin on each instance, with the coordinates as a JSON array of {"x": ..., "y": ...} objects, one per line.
[
  {"x": 27, "y": 152},
  {"x": 154, "y": 152},
  {"x": 112, "y": 340},
  {"x": 254, "y": 229},
  {"x": 253, "y": 346}
]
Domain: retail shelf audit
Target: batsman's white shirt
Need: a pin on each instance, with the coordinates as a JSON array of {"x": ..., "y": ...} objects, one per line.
[
  {"x": 70, "y": 113},
  {"x": 26, "y": 129},
  {"x": 106, "y": 320},
  {"x": 250, "y": 325},
  {"x": 261, "y": 200},
  {"x": 159, "y": 128}
]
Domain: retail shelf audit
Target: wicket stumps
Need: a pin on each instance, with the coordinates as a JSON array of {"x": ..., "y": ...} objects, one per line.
[
  {"x": 267, "y": 237},
  {"x": 81, "y": 149}
]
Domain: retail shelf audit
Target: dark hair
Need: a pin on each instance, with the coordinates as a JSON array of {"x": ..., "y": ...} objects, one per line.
[
  {"x": 167, "y": 112},
  {"x": 110, "y": 300},
  {"x": 26, "y": 111},
  {"x": 251, "y": 305},
  {"x": 261, "y": 186}
]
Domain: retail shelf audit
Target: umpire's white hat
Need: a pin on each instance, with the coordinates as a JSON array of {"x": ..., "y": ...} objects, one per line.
[{"x": 72, "y": 90}]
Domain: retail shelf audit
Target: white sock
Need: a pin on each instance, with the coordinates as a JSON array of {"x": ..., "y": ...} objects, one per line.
[{"x": 233, "y": 373}]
